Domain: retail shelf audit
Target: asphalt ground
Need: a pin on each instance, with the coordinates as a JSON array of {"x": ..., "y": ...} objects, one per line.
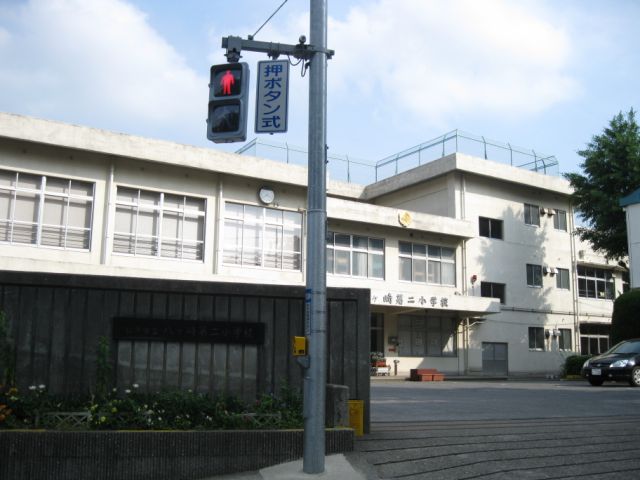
[{"x": 501, "y": 430}]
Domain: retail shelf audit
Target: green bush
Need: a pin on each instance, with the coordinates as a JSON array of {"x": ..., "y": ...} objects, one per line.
[
  {"x": 625, "y": 322},
  {"x": 573, "y": 364},
  {"x": 165, "y": 410}
]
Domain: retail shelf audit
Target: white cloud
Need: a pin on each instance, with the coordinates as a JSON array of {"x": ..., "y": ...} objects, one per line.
[
  {"x": 97, "y": 61},
  {"x": 435, "y": 58}
]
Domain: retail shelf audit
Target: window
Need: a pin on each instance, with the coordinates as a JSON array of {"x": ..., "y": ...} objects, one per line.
[
  {"x": 492, "y": 290},
  {"x": 534, "y": 275},
  {"x": 45, "y": 211},
  {"x": 427, "y": 263},
  {"x": 564, "y": 340},
  {"x": 595, "y": 283},
  {"x": 159, "y": 225},
  {"x": 422, "y": 336},
  {"x": 560, "y": 220},
  {"x": 355, "y": 255},
  {"x": 594, "y": 338},
  {"x": 531, "y": 214},
  {"x": 562, "y": 279},
  {"x": 490, "y": 228},
  {"x": 262, "y": 237},
  {"x": 536, "y": 338}
]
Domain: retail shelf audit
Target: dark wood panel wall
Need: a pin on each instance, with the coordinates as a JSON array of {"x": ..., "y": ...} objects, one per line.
[{"x": 56, "y": 321}]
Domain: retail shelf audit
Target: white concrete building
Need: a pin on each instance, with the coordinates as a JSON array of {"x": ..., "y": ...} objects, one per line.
[{"x": 471, "y": 263}]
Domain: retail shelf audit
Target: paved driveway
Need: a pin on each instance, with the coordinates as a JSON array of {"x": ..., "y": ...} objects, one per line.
[{"x": 503, "y": 430}]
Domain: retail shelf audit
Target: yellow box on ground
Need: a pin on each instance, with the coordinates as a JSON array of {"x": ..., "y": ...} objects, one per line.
[{"x": 356, "y": 416}]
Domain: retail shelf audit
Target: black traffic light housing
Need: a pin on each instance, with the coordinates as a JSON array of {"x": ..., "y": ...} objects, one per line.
[{"x": 228, "y": 102}]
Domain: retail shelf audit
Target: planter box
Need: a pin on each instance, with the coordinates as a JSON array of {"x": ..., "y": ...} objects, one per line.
[{"x": 142, "y": 455}]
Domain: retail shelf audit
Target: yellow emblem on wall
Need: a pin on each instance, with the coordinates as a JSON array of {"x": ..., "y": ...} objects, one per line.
[{"x": 404, "y": 218}]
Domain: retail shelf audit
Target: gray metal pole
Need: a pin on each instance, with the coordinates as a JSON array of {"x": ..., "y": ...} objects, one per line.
[{"x": 316, "y": 292}]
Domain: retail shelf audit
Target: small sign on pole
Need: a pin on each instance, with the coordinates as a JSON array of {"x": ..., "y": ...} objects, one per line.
[{"x": 272, "y": 96}]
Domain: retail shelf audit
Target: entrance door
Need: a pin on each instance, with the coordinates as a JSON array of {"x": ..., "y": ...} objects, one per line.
[{"x": 494, "y": 358}]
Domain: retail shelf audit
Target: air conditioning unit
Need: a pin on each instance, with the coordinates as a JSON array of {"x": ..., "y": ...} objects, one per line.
[
  {"x": 553, "y": 270},
  {"x": 546, "y": 270},
  {"x": 543, "y": 210},
  {"x": 551, "y": 212}
]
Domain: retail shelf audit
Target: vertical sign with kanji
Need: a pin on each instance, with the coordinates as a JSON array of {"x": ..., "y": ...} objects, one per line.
[{"x": 272, "y": 96}]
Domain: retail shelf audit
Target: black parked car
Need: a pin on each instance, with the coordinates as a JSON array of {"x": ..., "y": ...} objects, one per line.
[{"x": 621, "y": 362}]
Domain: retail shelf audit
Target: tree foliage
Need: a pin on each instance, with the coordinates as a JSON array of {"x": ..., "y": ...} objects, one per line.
[
  {"x": 611, "y": 169},
  {"x": 625, "y": 323}
]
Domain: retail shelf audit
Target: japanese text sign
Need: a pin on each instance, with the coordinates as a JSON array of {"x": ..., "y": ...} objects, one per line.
[{"x": 272, "y": 96}]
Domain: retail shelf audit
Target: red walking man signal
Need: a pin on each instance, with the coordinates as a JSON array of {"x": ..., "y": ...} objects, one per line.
[{"x": 226, "y": 82}]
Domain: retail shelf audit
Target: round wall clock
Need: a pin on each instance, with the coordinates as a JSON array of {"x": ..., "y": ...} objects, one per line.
[{"x": 266, "y": 195}]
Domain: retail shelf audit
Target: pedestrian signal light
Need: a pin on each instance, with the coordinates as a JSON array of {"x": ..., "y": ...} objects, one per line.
[{"x": 228, "y": 103}]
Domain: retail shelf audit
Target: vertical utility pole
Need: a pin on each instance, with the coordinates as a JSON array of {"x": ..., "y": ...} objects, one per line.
[
  {"x": 315, "y": 363},
  {"x": 316, "y": 292}
]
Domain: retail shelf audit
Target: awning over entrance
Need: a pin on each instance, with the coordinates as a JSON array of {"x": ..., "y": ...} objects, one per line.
[{"x": 461, "y": 305}]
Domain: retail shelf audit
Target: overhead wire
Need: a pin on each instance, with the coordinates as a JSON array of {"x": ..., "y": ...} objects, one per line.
[{"x": 251, "y": 37}]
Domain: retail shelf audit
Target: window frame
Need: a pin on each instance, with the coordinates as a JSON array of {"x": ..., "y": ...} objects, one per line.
[
  {"x": 157, "y": 213},
  {"x": 370, "y": 251},
  {"x": 566, "y": 336},
  {"x": 560, "y": 275},
  {"x": 420, "y": 331},
  {"x": 491, "y": 225},
  {"x": 422, "y": 253},
  {"x": 537, "y": 341},
  {"x": 529, "y": 209},
  {"x": 595, "y": 280},
  {"x": 556, "y": 220},
  {"x": 492, "y": 286},
  {"x": 39, "y": 198},
  {"x": 283, "y": 256},
  {"x": 536, "y": 271}
]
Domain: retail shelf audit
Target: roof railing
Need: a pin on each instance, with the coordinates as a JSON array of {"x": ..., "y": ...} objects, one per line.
[{"x": 350, "y": 169}]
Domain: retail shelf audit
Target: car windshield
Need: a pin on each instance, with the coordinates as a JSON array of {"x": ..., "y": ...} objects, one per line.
[{"x": 626, "y": 347}]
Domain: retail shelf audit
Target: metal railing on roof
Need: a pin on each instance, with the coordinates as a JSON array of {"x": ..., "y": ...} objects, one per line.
[
  {"x": 462, "y": 142},
  {"x": 350, "y": 169},
  {"x": 340, "y": 167}
]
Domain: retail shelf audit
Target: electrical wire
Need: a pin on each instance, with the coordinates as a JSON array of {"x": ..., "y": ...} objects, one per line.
[{"x": 267, "y": 21}]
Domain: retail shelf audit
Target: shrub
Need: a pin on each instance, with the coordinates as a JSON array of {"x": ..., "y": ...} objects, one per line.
[
  {"x": 165, "y": 410},
  {"x": 573, "y": 364},
  {"x": 625, "y": 323}
]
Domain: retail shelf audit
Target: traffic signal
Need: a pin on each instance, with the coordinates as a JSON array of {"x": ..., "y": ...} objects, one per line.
[{"x": 228, "y": 103}]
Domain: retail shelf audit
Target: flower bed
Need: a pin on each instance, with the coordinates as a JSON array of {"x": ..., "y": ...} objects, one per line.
[
  {"x": 178, "y": 434},
  {"x": 131, "y": 409}
]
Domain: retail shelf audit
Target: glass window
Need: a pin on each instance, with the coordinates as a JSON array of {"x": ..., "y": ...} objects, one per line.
[
  {"x": 531, "y": 214},
  {"x": 560, "y": 220},
  {"x": 564, "y": 341},
  {"x": 562, "y": 279},
  {"x": 427, "y": 263},
  {"x": 45, "y": 211},
  {"x": 263, "y": 237},
  {"x": 595, "y": 283},
  {"x": 159, "y": 225},
  {"x": 534, "y": 275},
  {"x": 536, "y": 338},
  {"x": 355, "y": 255},
  {"x": 493, "y": 290},
  {"x": 421, "y": 336},
  {"x": 490, "y": 227}
]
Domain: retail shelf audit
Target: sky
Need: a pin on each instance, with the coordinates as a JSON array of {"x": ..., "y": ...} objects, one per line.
[{"x": 541, "y": 75}]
